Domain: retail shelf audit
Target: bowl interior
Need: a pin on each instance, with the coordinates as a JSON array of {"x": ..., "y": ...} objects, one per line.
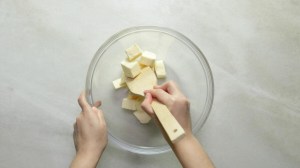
[{"x": 185, "y": 65}]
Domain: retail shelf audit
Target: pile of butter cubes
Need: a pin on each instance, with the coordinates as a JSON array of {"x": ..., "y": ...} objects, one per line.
[{"x": 140, "y": 72}]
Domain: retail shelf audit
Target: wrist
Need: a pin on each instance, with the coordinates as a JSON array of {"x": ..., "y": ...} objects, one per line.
[
  {"x": 187, "y": 139},
  {"x": 90, "y": 155},
  {"x": 190, "y": 152},
  {"x": 88, "y": 159}
]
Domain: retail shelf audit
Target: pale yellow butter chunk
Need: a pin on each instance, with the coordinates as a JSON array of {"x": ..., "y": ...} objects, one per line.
[
  {"x": 133, "y": 96},
  {"x": 143, "y": 117},
  {"x": 147, "y": 58},
  {"x": 129, "y": 104},
  {"x": 139, "y": 105},
  {"x": 160, "y": 69},
  {"x": 142, "y": 66},
  {"x": 133, "y": 52},
  {"x": 130, "y": 69},
  {"x": 118, "y": 83},
  {"x": 123, "y": 78}
]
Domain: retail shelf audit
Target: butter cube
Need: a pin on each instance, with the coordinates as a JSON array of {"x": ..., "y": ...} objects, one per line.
[
  {"x": 129, "y": 104},
  {"x": 143, "y": 117},
  {"x": 131, "y": 69},
  {"x": 142, "y": 66},
  {"x": 123, "y": 78},
  {"x": 133, "y": 52},
  {"x": 140, "y": 114},
  {"x": 138, "y": 105},
  {"x": 160, "y": 69},
  {"x": 118, "y": 84},
  {"x": 147, "y": 58}
]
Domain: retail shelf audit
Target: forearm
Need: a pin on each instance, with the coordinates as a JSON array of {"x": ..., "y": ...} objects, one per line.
[{"x": 191, "y": 154}]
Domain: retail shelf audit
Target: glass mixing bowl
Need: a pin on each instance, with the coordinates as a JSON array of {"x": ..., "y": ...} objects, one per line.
[{"x": 185, "y": 64}]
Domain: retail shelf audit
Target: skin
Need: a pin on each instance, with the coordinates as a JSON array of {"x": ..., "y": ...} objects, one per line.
[
  {"x": 90, "y": 132},
  {"x": 90, "y": 135},
  {"x": 188, "y": 150}
]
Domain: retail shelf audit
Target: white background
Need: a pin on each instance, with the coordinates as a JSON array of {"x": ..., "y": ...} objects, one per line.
[{"x": 252, "y": 46}]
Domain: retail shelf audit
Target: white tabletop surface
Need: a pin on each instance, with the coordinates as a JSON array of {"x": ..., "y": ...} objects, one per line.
[{"x": 253, "y": 48}]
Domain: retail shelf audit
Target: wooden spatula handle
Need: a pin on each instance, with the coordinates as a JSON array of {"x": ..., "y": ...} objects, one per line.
[{"x": 168, "y": 121}]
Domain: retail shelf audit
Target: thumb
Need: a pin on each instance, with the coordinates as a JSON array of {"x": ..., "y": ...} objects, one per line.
[
  {"x": 146, "y": 104},
  {"x": 161, "y": 96}
]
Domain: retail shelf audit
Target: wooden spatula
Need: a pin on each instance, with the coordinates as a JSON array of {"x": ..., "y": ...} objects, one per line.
[{"x": 168, "y": 121}]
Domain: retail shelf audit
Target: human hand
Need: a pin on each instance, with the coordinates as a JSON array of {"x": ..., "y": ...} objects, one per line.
[
  {"x": 188, "y": 150},
  {"x": 170, "y": 95},
  {"x": 90, "y": 134}
]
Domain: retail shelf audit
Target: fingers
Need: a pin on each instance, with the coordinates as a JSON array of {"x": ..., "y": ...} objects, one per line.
[
  {"x": 169, "y": 87},
  {"x": 75, "y": 126},
  {"x": 101, "y": 117},
  {"x": 85, "y": 106},
  {"x": 99, "y": 114},
  {"x": 97, "y": 104},
  {"x": 161, "y": 96},
  {"x": 74, "y": 135},
  {"x": 146, "y": 104},
  {"x": 83, "y": 102}
]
